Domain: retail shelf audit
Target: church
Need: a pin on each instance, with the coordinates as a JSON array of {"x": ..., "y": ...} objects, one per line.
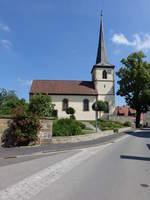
[{"x": 81, "y": 95}]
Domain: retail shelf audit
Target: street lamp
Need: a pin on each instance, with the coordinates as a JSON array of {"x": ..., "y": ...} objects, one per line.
[{"x": 96, "y": 115}]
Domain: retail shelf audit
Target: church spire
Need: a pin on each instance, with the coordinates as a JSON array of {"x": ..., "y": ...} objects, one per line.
[{"x": 101, "y": 53}]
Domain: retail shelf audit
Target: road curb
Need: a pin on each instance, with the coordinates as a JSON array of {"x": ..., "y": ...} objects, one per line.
[{"x": 87, "y": 137}]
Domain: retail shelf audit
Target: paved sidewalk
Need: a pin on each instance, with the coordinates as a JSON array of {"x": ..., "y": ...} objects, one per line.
[{"x": 29, "y": 150}]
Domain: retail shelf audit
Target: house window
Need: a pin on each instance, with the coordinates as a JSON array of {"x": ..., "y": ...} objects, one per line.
[
  {"x": 85, "y": 105},
  {"x": 104, "y": 74},
  {"x": 65, "y": 104}
]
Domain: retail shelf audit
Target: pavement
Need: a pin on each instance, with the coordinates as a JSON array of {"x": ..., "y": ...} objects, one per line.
[
  {"x": 7, "y": 153},
  {"x": 116, "y": 169}
]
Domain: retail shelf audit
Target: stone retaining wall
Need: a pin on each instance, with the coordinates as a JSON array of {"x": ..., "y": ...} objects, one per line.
[
  {"x": 3, "y": 126},
  {"x": 45, "y": 133},
  {"x": 87, "y": 137}
]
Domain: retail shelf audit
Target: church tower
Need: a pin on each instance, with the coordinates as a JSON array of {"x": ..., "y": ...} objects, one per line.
[{"x": 103, "y": 73}]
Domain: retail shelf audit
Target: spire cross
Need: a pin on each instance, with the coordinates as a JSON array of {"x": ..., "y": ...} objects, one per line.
[{"x": 101, "y": 13}]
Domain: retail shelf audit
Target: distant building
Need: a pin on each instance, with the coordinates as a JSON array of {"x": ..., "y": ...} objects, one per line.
[
  {"x": 125, "y": 111},
  {"x": 128, "y": 112},
  {"x": 82, "y": 94}
]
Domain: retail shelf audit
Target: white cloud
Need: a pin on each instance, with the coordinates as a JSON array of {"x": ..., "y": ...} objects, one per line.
[
  {"x": 142, "y": 44},
  {"x": 6, "y": 44},
  {"x": 121, "y": 39},
  {"x": 4, "y": 27},
  {"x": 139, "y": 42},
  {"x": 24, "y": 82}
]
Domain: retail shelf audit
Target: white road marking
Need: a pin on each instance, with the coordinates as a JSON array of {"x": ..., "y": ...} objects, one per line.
[{"x": 31, "y": 186}]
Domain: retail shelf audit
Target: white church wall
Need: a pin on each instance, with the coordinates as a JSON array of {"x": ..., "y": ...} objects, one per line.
[{"x": 76, "y": 102}]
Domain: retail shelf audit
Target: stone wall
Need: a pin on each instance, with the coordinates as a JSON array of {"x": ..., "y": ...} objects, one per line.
[
  {"x": 45, "y": 134},
  {"x": 3, "y": 126},
  {"x": 87, "y": 137},
  {"x": 122, "y": 119}
]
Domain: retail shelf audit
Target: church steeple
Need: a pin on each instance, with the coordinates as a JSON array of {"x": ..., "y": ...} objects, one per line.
[
  {"x": 103, "y": 73},
  {"x": 102, "y": 58}
]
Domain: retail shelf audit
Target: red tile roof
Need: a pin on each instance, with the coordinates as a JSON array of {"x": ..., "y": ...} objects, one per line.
[
  {"x": 60, "y": 87},
  {"x": 126, "y": 111}
]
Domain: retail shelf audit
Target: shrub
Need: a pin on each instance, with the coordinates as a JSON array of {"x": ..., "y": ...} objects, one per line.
[
  {"x": 23, "y": 129},
  {"x": 82, "y": 125},
  {"x": 70, "y": 111},
  {"x": 108, "y": 124},
  {"x": 127, "y": 123},
  {"x": 101, "y": 106},
  {"x": 66, "y": 127},
  {"x": 72, "y": 117},
  {"x": 41, "y": 105}
]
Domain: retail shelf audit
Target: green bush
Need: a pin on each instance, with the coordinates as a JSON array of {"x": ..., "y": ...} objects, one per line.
[
  {"x": 41, "y": 105},
  {"x": 23, "y": 129},
  {"x": 101, "y": 106},
  {"x": 108, "y": 124},
  {"x": 72, "y": 117},
  {"x": 67, "y": 127},
  {"x": 127, "y": 123},
  {"x": 82, "y": 125},
  {"x": 70, "y": 111}
]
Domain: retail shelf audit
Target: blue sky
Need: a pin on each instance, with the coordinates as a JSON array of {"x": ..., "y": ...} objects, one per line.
[{"x": 57, "y": 39}]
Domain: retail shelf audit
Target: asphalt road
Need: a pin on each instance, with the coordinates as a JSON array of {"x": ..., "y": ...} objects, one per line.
[{"x": 118, "y": 170}]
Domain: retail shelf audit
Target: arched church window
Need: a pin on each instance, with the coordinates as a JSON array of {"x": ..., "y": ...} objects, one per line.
[
  {"x": 104, "y": 74},
  {"x": 65, "y": 104},
  {"x": 85, "y": 105}
]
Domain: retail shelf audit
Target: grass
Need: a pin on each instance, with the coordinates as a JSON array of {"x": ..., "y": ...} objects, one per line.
[{"x": 107, "y": 124}]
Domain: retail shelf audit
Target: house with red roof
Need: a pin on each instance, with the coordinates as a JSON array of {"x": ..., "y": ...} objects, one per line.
[{"x": 128, "y": 112}]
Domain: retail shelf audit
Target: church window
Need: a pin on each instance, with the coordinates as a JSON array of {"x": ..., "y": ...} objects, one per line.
[
  {"x": 65, "y": 104},
  {"x": 85, "y": 105},
  {"x": 104, "y": 74}
]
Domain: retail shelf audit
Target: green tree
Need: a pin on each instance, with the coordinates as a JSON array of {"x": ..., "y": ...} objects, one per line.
[
  {"x": 71, "y": 111},
  {"x": 9, "y": 101},
  {"x": 101, "y": 106},
  {"x": 134, "y": 83},
  {"x": 41, "y": 105}
]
